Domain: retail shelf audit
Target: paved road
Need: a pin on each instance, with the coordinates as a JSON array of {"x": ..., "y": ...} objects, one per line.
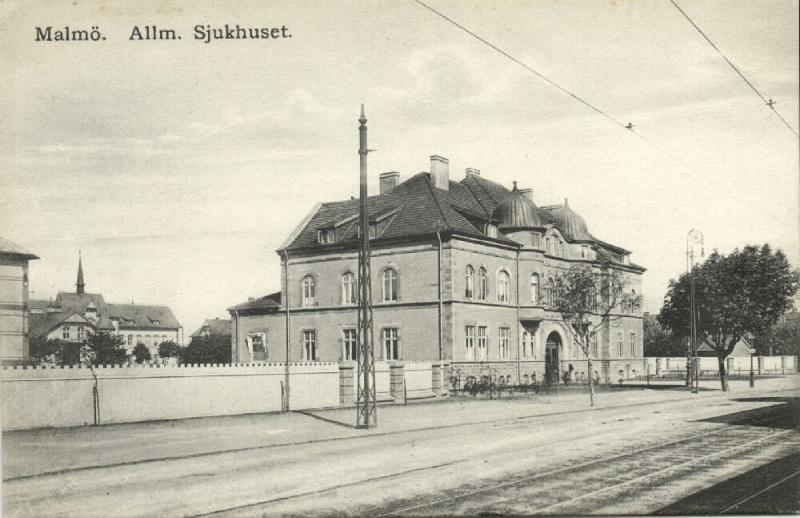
[{"x": 636, "y": 459}]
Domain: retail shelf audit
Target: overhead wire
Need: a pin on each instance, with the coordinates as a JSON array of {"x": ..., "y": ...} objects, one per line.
[{"x": 770, "y": 104}]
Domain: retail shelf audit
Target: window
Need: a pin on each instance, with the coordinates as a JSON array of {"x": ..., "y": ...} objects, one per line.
[
  {"x": 308, "y": 291},
  {"x": 561, "y": 248},
  {"x": 348, "y": 288},
  {"x": 483, "y": 284},
  {"x": 391, "y": 345},
  {"x": 535, "y": 289},
  {"x": 482, "y": 343},
  {"x": 259, "y": 352},
  {"x": 526, "y": 345},
  {"x": 163, "y": 338},
  {"x": 593, "y": 345},
  {"x": 139, "y": 339},
  {"x": 350, "y": 343},
  {"x": 130, "y": 339},
  {"x": 548, "y": 292},
  {"x": 469, "y": 343},
  {"x": 373, "y": 230},
  {"x": 584, "y": 252},
  {"x": 557, "y": 292},
  {"x": 502, "y": 287},
  {"x": 504, "y": 343},
  {"x": 65, "y": 332},
  {"x": 326, "y": 236},
  {"x": 81, "y": 335},
  {"x": 620, "y": 341},
  {"x": 470, "y": 283},
  {"x": 309, "y": 345},
  {"x": 156, "y": 322},
  {"x": 547, "y": 246},
  {"x": 633, "y": 345},
  {"x": 535, "y": 240},
  {"x": 389, "y": 285},
  {"x": 147, "y": 340},
  {"x": 491, "y": 230}
]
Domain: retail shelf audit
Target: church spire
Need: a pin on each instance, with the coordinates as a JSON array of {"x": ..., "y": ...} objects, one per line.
[{"x": 80, "y": 283}]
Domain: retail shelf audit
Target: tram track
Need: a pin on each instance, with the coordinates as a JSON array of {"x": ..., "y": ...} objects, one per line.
[{"x": 756, "y": 430}]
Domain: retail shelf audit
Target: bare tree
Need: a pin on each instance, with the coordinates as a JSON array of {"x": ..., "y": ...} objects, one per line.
[{"x": 587, "y": 301}]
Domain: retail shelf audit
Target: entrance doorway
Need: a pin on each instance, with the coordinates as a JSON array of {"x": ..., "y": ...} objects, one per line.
[{"x": 551, "y": 352}]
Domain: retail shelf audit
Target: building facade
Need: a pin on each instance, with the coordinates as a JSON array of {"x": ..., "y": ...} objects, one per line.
[
  {"x": 461, "y": 271},
  {"x": 14, "y": 303},
  {"x": 72, "y": 315}
]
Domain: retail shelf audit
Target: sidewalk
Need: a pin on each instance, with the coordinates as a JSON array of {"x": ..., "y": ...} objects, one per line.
[{"x": 27, "y": 453}]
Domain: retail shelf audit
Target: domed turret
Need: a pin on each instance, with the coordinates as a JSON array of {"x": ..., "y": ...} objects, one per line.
[
  {"x": 517, "y": 211},
  {"x": 571, "y": 223}
]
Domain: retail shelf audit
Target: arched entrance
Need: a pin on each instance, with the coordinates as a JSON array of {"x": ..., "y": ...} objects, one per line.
[{"x": 551, "y": 352}]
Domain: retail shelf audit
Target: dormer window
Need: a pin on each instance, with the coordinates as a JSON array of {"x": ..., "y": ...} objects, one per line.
[
  {"x": 491, "y": 230},
  {"x": 156, "y": 322},
  {"x": 373, "y": 230},
  {"x": 326, "y": 236}
]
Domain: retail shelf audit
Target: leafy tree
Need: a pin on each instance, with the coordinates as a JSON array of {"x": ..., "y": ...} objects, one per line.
[
  {"x": 587, "y": 301},
  {"x": 743, "y": 293},
  {"x": 169, "y": 349},
  {"x": 61, "y": 352},
  {"x": 106, "y": 348},
  {"x": 208, "y": 349},
  {"x": 782, "y": 339},
  {"x": 141, "y": 353},
  {"x": 660, "y": 342}
]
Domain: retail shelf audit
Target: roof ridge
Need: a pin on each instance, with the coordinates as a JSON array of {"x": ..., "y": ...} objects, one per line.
[
  {"x": 485, "y": 210},
  {"x": 438, "y": 205}
]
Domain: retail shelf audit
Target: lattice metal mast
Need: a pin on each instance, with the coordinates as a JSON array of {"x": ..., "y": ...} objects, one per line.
[{"x": 365, "y": 400}]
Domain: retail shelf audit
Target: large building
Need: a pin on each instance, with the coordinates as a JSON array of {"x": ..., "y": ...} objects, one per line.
[
  {"x": 14, "y": 308},
  {"x": 462, "y": 271},
  {"x": 71, "y": 315}
]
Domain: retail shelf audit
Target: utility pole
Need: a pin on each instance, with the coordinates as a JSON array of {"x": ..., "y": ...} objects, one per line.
[
  {"x": 366, "y": 416},
  {"x": 692, "y": 238}
]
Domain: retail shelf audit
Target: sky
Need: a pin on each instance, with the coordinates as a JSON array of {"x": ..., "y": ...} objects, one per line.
[{"x": 177, "y": 168}]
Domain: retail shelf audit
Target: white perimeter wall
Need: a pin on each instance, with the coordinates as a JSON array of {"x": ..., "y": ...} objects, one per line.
[
  {"x": 56, "y": 397},
  {"x": 768, "y": 364}
]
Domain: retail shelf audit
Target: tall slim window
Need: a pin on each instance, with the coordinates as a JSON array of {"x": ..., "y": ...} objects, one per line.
[
  {"x": 504, "y": 343},
  {"x": 594, "y": 347},
  {"x": 350, "y": 344},
  {"x": 503, "y": 283},
  {"x": 391, "y": 345},
  {"x": 469, "y": 343},
  {"x": 130, "y": 339},
  {"x": 483, "y": 343},
  {"x": 470, "y": 283},
  {"x": 620, "y": 341},
  {"x": 526, "y": 343},
  {"x": 389, "y": 285},
  {"x": 584, "y": 251},
  {"x": 558, "y": 290},
  {"x": 65, "y": 332},
  {"x": 547, "y": 246},
  {"x": 535, "y": 289},
  {"x": 348, "y": 288},
  {"x": 633, "y": 345},
  {"x": 535, "y": 240},
  {"x": 483, "y": 284},
  {"x": 309, "y": 345},
  {"x": 309, "y": 291}
]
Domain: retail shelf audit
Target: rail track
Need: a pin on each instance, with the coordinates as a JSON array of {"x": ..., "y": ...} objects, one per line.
[{"x": 586, "y": 486}]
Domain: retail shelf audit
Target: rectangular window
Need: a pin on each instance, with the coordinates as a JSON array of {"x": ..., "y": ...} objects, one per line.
[
  {"x": 594, "y": 345},
  {"x": 309, "y": 345},
  {"x": 633, "y": 345},
  {"x": 535, "y": 240},
  {"x": 584, "y": 251},
  {"x": 526, "y": 341},
  {"x": 391, "y": 345},
  {"x": 620, "y": 342},
  {"x": 326, "y": 236},
  {"x": 504, "y": 343},
  {"x": 469, "y": 343},
  {"x": 483, "y": 343},
  {"x": 65, "y": 332},
  {"x": 130, "y": 339},
  {"x": 350, "y": 345}
]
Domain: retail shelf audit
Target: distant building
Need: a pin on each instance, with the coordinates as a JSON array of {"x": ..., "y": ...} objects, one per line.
[
  {"x": 71, "y": 315},
  {"x": 14, "y": 303},
  {"x": 214, "y": 326},
  {"x": 462, "y": 271}
]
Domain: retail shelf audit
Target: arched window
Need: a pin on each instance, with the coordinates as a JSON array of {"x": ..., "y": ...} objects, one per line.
[
  {"x": 470, "y": 283},
  {"x": 503, "y": 283},
  {"x": 389, "y": 285},
  {"x": 535, "y": 289},
  {"x": 483, "y": 284},
  {"x": 309, "y": 291},
  {"x": 348, "y": 288}
]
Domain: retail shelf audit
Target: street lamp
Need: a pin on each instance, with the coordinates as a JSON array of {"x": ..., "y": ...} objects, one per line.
[{"x": 693, "y": 238}]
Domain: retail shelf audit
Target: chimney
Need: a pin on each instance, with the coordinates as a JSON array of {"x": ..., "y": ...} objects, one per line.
[
  {"x": 440, "y": 172},
  {"x": 389, "y": 181},
  {"x": 471, "y": 171},
  {"x": 528, "y": 193}
]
